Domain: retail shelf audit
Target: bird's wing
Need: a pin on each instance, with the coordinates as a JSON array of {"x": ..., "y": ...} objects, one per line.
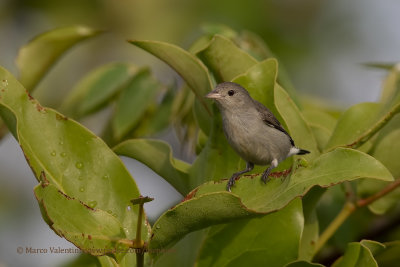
[{"x": 270, "y": 119}]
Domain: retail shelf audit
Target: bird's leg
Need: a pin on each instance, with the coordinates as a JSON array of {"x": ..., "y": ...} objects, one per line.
[
  {"x": 265, "y": 175},
  {"x": 231, "y": 182}
]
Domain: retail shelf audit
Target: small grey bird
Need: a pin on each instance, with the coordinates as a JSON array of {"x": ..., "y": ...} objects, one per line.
[{"x": 252, "y": 130}]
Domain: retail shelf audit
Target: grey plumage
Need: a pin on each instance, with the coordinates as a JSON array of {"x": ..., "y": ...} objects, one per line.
[{"x": 252, "y": 130}]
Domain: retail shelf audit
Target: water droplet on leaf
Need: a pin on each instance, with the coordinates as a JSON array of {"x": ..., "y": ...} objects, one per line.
[
  {"x": 158, "y": 227},
  {"x": 53, "y": 153},
  {"x": 79, "y": 165},
  {"x": 106, "y": 176},
  {"x": 92, "y": 204},
  {"x": 82, "y": 189},
  {"x": 63, "y": 154}
]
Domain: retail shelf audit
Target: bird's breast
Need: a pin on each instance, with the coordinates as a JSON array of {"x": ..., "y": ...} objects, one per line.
[{"x": 253, "y": 140}]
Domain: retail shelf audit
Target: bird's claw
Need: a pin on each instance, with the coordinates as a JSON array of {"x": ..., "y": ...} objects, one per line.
[
  {"x": 265, "y": 178},
  {"x": 230, "y": 183}
]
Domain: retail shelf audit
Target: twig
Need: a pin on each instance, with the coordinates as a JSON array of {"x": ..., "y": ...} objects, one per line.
[
  {"x": 349, "y": 208},
  {"x": 384, "y": 191}
]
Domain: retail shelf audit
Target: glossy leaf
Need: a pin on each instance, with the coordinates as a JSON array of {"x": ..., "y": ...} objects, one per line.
[
  {"x": 252, "y": 197},
  {"x": 74, "y": 160},
  {"x": 353, "y": 123},
  {"x": 84, "y": 260},
  {"x": 390, "y": 256},
  {"x": 386, "y": 151},
  {"x": 185, "y": 64},
  {"x": 35, "y": 58},
  {"x": 310, "y": 233},
  {"x": 260, "y": 80},
  {"x": 133, "y": 101},
  {"x": 225, "y": 59},
  {"x": 258, "y": 48},
  {"x": 271, "y": 240},
  {"x": 93, "y": 231},
  {"x": 97, "y": 88},
  {"x": 303, "y": 264},
  {"x": 391, "y": 85},
  {"x": 321, "y": 124},
  {"x": 359, "y": 254},
  {"x": 216, "y": 153},
  {"x": 296, "y": 124},
  {"x": 157, "y": 155}
]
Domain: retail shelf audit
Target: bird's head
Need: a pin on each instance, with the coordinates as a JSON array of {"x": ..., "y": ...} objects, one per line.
[{"x": 229, "y": 95}]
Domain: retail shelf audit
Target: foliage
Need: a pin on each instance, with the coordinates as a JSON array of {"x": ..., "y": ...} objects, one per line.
[{"x": 87, "y": 196}]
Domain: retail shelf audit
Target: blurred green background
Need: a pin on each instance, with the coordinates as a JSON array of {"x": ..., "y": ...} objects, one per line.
[{"x": 321, "y": 43}]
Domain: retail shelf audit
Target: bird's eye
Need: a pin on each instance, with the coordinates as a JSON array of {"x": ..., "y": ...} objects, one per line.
[{"x": 231, "y": 92}]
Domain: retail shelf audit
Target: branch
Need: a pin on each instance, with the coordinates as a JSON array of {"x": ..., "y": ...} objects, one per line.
[
  {"x": 375, "y": 128},
  {"x": 349, "y": 208},
  {"x": 369, "y": 200}
]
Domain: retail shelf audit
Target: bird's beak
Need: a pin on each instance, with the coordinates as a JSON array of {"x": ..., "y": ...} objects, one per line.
[{"x": 213, "y": 95}]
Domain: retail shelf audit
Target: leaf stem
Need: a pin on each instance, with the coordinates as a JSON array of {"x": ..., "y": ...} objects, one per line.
[
  {"x": 138, "y": 243},
  {"x": 375, "y": 128},
  {"x": 348, "y": 209},
  {"x": 378, "y": 195}
]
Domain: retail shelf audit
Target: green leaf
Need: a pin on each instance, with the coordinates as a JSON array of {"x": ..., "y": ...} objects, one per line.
[
  {"x": 310, "y": 233},
  {"x": 93, "y": 231},
  {"x": 190, "y": 68},
  {"x": 260, "y": 80},
  {"x": 379, "y": 65},
  {"x": 225, "y": 59},
  {"x": 353, "y": 124},
  {"x": 133, "y": 102},
  {"x": 84, "y": 260},
  {"x": 74, "y": 160},
  {"x": 296, "y": 124},
  {"x": 391, "y": 85},
  {"x": 386, "y": 151},
  {"x": 157, "y": 155},
  {"x": 303, "y": 264},
  {"x": 359, "y": 254},
  {"x": 252, "y": 197},
  {"x": 216, "y": 153},
  {"x": 35, "y": 58},
  {"x": 321, "y": 124},
  {"x": 97, "y": 88},
  {"x": 271, "y": 240},
  {"x": 390, "y": 256},
  {"x": 159, "y": 116}
]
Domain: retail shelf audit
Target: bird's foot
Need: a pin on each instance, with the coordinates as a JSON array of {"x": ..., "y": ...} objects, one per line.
[
  {"x": 230, "y": 183},
  {"x": 265, "y": 177}
]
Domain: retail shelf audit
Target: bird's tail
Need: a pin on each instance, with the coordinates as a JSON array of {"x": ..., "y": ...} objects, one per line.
[{"x": 302, "y": 152}]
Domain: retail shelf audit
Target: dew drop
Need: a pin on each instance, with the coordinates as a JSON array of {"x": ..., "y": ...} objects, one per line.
[
  {"x": 80, "y": 178},
  {"x": 115, "y": 215},
  {"x": 158, "y": 227},
  {"x": 63, "y": 154},
  {"x": 109, "y": 211},
  {"x": 79, "y": 165},
  {"x": 129, "y": 208},
  {"x": 126, "y": 230},
  {"x": 92, "y": 204},
  {"x": 53, "y": 153},
  {"x": 61, "y": 142},
  {"x": 106, "y": 176},
  {"x": 82, "y": 189}
]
